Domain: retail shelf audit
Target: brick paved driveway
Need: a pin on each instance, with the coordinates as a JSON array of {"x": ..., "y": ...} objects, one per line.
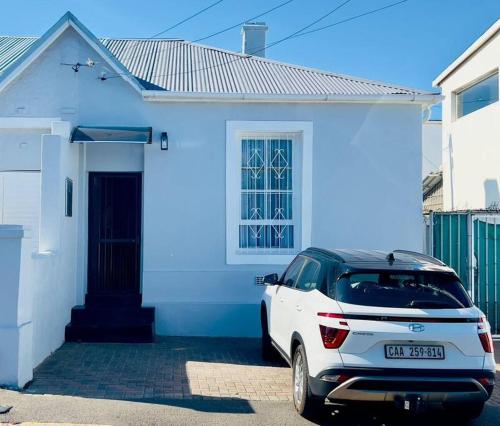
[{"x": 171, "y": 368}]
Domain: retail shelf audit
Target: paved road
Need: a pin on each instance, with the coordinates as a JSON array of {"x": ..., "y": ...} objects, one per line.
[{"x": 79, "y": 410}]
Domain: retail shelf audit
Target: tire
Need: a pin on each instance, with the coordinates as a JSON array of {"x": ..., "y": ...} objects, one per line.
[
  {"x": 268, "y": 351},
  {"x": 466, "y": 411},
  {"x": 304, "y": 402}
]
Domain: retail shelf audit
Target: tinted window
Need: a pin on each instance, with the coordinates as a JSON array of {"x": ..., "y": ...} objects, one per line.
[
  {"x": 293, "y": 271},
  {"x": 404, "y": 290},
  {"x": 477, "y": 96},
  {"x": 309, "y": 278}
]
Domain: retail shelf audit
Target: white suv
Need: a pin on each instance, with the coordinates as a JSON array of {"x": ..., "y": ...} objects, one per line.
[{"x": 368, "y": 326}]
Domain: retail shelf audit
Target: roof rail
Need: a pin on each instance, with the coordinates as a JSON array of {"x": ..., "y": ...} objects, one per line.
[{"x": 421, "y": 256}]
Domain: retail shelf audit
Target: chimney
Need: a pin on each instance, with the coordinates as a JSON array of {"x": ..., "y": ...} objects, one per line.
[{"x": 254, "y": 39}]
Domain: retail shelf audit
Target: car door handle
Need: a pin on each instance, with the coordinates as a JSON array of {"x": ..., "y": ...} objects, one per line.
[{"x": 299, "y": 308}]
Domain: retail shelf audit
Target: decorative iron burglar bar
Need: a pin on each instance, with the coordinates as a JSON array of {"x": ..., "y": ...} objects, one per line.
[{"x": 266, "y": 222}]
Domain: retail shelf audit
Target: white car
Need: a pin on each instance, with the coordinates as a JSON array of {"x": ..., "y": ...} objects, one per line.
[{"x": 369, "y": 326}]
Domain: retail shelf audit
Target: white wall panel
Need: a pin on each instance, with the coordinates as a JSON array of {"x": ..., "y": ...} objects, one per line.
[{"x": 20, "y": 201}]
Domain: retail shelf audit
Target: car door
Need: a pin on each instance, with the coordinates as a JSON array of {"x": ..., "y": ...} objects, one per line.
[
  {"x": 303, "y": 309},
  {"x": 280, "y": 305}
]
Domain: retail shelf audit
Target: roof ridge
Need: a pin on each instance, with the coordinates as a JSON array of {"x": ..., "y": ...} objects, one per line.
[{"x": 308, "y": 69}]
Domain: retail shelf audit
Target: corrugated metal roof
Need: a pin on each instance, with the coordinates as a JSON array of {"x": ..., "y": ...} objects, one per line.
[
  {"x": 181, "y": 66},
  {"x": 12, "y": 48}
]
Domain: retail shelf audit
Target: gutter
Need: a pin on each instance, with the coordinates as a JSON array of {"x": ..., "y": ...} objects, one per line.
[{"x": 166, "y": 96}]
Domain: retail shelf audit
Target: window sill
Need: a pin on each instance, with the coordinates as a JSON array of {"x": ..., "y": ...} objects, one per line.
[{"x": 259, "y": 259}]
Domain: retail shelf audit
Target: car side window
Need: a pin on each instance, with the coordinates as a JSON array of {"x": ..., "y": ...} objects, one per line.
[
  {"x": 293, "y": 272},
  {"x": 333, "y": 275},
  {"x": 309, "y": 278}
]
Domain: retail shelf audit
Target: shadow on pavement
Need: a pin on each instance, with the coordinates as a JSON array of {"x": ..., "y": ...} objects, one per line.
[{"x": 219, "y": 405}]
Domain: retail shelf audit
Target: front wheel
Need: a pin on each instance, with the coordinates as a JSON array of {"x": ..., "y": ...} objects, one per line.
[{"x": 304, "y": 402}]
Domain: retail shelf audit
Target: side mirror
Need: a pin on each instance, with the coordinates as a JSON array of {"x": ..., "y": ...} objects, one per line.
[{"x": 271, "y": 279}]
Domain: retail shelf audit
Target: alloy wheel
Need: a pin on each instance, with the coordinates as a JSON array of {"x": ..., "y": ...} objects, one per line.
[{"x": 298, "y": 380}]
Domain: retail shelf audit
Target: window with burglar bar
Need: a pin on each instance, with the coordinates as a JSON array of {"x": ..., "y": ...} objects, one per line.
[
  {"x": 268, "y": 191},
  {"x": 267, "y": 195}
]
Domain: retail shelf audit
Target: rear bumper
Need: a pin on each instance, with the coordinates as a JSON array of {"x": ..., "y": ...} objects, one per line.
[{"x": 391, "y": 385}]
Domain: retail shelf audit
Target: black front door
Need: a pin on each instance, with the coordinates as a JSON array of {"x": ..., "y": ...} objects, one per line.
[{"x": 114, "y": 256}]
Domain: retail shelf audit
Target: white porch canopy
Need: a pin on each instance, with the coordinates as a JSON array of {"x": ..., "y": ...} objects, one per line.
[{"x": 88, "y": 134}]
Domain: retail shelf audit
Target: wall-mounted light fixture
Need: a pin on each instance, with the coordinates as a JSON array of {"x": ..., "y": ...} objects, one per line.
[{"x": 164, "y": 141}]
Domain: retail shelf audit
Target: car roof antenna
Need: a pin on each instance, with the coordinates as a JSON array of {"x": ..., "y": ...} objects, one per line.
[{"x": 390, "y": 258}]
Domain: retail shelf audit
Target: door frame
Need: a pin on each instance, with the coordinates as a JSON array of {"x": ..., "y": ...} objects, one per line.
[{"x": 87, "y": 207}]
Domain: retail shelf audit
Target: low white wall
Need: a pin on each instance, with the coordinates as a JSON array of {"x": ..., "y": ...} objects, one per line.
[
  {"x": 16, "y": 363},
  {"x": 35, "y": 327}
]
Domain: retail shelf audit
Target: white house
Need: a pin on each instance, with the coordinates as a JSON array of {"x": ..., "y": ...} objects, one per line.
[
  {"x": 175, "y": 175},
  {"x": 471, "y": 125}
]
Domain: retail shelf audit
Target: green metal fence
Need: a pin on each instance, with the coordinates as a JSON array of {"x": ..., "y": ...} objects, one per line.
[{"x": 469, "y": 242}]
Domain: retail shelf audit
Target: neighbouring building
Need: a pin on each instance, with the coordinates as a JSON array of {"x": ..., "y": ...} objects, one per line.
[
  {"x": 147, "y": 185},
  {"x": 432, "y": 188},
  {"x": 432, "y": 175},
  {"x": 431, "y": 147},
  {"x": 466, "y": 234},
  {"x": 471, "y": 126}
]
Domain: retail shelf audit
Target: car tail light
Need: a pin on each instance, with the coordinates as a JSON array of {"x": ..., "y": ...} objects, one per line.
[
  {"x": 485, "y": 335},
  {"x": 332, "y": 337},
  {"x": 487, "y": 381},
  {"x": 486, "y": 341}
]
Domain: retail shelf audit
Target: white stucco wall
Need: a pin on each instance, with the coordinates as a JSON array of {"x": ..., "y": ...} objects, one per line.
[
  {"x": 20, "y": 150},
  {"x": 366, "y": 194},
  {"x": 366, "y": 185},
  {"x": 55, "y": 266},
  {"x": 471, "y": 175},
  {"x": 432, "y": 151}
]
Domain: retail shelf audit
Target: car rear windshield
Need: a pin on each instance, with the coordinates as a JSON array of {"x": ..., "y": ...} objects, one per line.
[{"x": 402, "y": 290}]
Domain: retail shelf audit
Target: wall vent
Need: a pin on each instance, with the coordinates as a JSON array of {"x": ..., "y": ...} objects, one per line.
[{"x": 259, "y": 280}]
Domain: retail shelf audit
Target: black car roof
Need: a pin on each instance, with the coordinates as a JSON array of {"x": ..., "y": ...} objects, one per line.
[{"x": 404, "y": 260}]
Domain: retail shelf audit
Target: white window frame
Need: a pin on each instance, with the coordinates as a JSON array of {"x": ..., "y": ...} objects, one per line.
[
  {"x": 470, "y": 85},
  {"x": 235, "y": 131}
]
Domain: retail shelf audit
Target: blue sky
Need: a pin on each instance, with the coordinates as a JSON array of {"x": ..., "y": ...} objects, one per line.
[{"x": 409, "y": 44}]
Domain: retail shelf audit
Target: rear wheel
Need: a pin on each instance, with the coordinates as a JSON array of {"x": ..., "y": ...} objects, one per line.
[{"x": 304, "y": 402}]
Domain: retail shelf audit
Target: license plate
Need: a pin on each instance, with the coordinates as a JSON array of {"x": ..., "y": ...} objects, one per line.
[{"x": 414, "y": 351}]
